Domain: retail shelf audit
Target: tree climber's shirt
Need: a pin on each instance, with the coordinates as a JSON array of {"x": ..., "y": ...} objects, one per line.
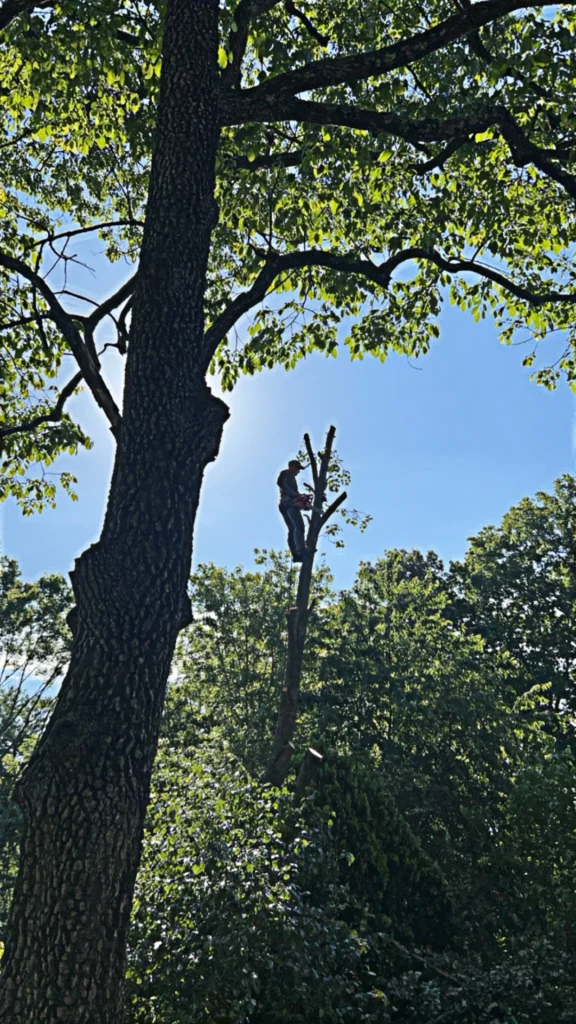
[{"x": 288, "y": 487}]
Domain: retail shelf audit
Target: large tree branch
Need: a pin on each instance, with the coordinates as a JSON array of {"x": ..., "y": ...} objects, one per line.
[
  {"x": 112, "y": 302},
  {"x": 244, "y": 15},
  {"x": 524, "y": 151},
  {"x": 369, "y": 64},
  {"x": 379, "y": 274},
  {"x": 241, "y": 108},
  {"x": 11, "y": 9},
  {"x": 54, "y": 416},
  {"x": 88, "y": 367}
]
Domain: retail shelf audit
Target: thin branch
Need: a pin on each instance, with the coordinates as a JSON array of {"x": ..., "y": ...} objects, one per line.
[
  {"x": 440, "y": 158},
  {"x": 11, "y": 9},
  {"x": 22, "y": 321},
  {"x": 458, "y": 979},
  {"x": 308, "y": 25},
  {"x": 453, "y": 266},
  {"x": 18, "y": 138},
  {"x": 293, "y": 159},
  {"x": 83, "y": 298},
  {"x": 420, "y": 85},
  {"x": 40, "y": 323},
  {"x": 275, "y": 265},
  {"x": 71, "y": 334},
  {"x": 478, "y": 47},
  {"x": 84, "y": 231},
  {"x": 332, "y": 508},
  {"x": 54, "y": 416}
]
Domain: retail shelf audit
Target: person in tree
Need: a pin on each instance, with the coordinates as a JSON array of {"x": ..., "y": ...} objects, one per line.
[{"x": 291, "y": 504}]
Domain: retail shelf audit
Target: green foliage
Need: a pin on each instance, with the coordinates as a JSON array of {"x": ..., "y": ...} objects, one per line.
[
  {"x": 232, "y": 921},
  {"x": 517, "y": 585},
  {"x": 77, "y": 115},
  {"x": 76, "y": 125},
  {"x": 449, "y": 795},
  {"x": 361, "y": 191},
  {"x": 231, "y": 662},
  {"x": 429, "y": 876},
  {"x": 34, "y": 646},
  {"x": 392, "y": 880}
]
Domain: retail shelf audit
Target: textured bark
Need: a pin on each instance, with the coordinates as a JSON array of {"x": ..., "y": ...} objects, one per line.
[
  {"x": 85, "y": 792},
  {"x": 298, "y": 623}
]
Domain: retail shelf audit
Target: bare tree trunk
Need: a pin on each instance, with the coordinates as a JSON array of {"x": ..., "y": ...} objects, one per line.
[
  {"x": 298, "y": 621},
  {"x": 85, "y": 792}
]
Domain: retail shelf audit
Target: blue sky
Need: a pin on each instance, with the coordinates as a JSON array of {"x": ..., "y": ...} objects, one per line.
[{"x": 435, "y": 453}]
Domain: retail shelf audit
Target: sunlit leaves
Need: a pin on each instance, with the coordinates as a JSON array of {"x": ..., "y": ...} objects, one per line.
[
  {"x": 350, "y": 191},
  {"x": 78, "y": 109}
]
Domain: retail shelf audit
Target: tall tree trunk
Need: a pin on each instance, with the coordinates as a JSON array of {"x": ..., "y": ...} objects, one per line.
[{"x": 85, "y": 792}]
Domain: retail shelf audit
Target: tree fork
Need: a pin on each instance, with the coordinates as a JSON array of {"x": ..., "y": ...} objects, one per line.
[{"x": 85, "y": 791}]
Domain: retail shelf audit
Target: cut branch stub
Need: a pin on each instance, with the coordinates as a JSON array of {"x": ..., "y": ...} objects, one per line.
[
  {"x": 312, "y": 457},
  {"x": 308, "y": 773}
]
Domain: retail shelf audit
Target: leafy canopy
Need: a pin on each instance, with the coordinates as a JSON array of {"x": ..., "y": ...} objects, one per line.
[{"x": 369, "y": 168}]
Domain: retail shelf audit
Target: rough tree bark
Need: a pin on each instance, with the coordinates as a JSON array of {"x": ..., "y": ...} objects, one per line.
[
  {"x": 298, "y": 617},
  {"x": 85, "y": 792}
]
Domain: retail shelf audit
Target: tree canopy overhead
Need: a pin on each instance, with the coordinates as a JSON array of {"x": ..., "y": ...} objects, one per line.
[{"x": 367, "y": 168}]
